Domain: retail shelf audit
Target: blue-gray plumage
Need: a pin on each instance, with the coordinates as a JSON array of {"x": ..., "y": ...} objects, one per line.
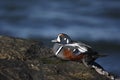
[{"x": 67, "y": 49}]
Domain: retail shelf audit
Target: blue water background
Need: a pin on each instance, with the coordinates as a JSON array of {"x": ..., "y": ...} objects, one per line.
[{"x": 90, "y": 20}]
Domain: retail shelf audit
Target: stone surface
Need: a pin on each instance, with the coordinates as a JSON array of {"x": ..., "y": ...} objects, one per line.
[{"x": 22, "y": 59}]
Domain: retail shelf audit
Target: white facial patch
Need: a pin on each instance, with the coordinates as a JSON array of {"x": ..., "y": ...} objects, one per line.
[
  {"x": 58, "y": 38},
  {"x": 65, "y": 38}
]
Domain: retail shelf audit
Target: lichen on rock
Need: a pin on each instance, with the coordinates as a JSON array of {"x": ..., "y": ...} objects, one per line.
[{"x": 23, "y": 59}]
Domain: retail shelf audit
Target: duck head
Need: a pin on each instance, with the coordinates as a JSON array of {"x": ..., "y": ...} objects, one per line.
[{"x": 62, "y": 39}]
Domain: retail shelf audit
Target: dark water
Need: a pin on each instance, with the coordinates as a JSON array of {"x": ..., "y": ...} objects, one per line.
[
  {"x": 111, "y": 63},
  {"x": 92, "y": 20}
]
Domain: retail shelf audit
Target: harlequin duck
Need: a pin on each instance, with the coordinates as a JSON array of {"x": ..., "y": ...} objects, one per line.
[{"x": 67, "y": 49}]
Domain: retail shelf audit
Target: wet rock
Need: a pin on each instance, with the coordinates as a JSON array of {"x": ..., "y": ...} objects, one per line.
[{"x": 22, "y": 59}]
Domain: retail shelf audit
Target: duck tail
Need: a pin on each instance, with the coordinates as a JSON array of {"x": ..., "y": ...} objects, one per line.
[
  {"x": 101, "y": 55},
  {"x": 98, "y": 55}
]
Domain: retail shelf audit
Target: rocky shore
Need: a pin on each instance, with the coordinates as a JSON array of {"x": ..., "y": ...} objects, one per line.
[{"x": 23, "y": 59}]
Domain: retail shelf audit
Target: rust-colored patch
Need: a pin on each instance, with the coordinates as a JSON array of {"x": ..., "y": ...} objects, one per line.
[
  {"x": 61, "y": 35},
  {"x": 69, "y": 55}
]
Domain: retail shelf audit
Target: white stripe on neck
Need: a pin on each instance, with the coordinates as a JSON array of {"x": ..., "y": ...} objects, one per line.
[{"x": 59, "y": 50}]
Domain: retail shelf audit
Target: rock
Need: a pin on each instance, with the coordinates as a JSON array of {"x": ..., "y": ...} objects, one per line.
[
  {"x": 22, "y": 59},
  {"x": 14, "y": 70}
]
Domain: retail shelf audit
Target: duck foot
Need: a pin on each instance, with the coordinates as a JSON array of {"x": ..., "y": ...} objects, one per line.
[{"x": 101, "y": 70}]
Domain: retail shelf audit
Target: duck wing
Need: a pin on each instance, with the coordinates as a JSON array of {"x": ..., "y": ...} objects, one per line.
[{"x": 76, "y": 48}]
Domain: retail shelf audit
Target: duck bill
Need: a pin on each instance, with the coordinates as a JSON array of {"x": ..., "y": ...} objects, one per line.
[{"x": 54, "y": 41}]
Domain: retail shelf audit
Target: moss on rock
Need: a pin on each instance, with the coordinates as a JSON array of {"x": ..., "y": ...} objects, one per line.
[{"x": 22, "y": 59}]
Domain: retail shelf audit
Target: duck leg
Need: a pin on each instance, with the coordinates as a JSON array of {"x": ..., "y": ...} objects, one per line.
[
  {"x": 101, "y": 71},
  {"x": 98, "y": 69}
]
